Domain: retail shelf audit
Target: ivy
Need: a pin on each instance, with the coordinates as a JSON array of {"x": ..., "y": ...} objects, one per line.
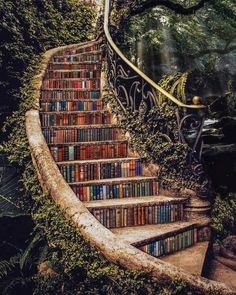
[{"x": 161, "y": 146}]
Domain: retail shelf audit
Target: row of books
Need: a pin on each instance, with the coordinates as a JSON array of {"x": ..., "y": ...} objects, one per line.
[
  {"x": 94, "y": 47},
  {"x": 77, "y": 84},
  {"x": 89, "y": 152},
  {"x": 47, "y": 95},
  {"x": 141, "y": 188},
  {"x": 80, "y": 135},
  {"x": 71, "y": 119},
  {"x": 71, "y": 66},
  {"x": 73, "y": 74},
  {"x": 63, "y": 105},
  {"x": 171, "y": 244},
  {"x": 133, "y": 216},
  {"x": 91, "y": 171},
  {"x": 78, "y": 58}
]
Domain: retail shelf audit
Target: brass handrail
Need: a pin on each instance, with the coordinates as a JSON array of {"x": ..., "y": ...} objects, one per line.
[{"x": 140, "y": 73}]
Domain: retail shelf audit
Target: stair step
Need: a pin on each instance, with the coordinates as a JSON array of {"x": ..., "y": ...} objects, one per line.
[
  {"x": 70, "y": 95},
  {"x": 72, "y": 134},
  {"x": 72, "y": 74},
  {"x": 191, "y": 259},
  {"x": 113, "y": 141},
  {"x": 79, "y": 112},
  {"x": 70, "y": 89},
  {"x": 74, "y": 54},
  {"x": 75, "y": 66},
  {"x": 76, "y": 119},
  {"x": 82, "y": 127},
  {"x": 102, "y": 169},
  {"x": 145, "y": 234},
  {"x": 89, "y": 150},
  {"x": 116, "y": 180},
  {"x": 93, "y": 56},
  {"x": 136, "y": 212},
  {"x": 116, "y": 188},
  {"x": 133, "y": 202},
  {"x": 72, "y": 106},
  {"x": 108, "y": 160},
  {"x": 84, "y": 47}
]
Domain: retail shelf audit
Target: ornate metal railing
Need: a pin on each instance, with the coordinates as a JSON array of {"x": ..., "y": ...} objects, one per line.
[{"x": 136, "y": 91}]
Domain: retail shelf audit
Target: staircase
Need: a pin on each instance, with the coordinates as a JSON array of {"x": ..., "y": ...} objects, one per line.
[{"x": 94, "y": 157}]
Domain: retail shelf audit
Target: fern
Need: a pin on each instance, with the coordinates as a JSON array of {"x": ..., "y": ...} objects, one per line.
[
  {"x": 175, "y": 84},
  {"x": 6, "y": 266},
  {"x": 27, "y": 256},
  {"x": 9, "y": 208}
]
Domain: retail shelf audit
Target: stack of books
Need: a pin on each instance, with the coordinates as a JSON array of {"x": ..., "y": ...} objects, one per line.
[
  {"x": 142, "y": 188},
  {"x": 91, "y": 171},
  {"x": 71, "y": 119},
  {"x": 140, "y": 215},
  {"x": 71, "y": 84},
  {"x": 66, "y": 135},
  {"x": 63, "y": 105},
  {"x": 177, "y": 242},
  {"x": 89, "y": 152}
]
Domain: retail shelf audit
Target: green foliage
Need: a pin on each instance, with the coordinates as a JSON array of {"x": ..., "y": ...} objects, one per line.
[
  {"x": 174, "y": 84},
  {"x": 161, "y": 146},
  {"x": 223, "y": 222},
  {"x": 162, "y": 42},
  {"x": 29, "y": 27}
]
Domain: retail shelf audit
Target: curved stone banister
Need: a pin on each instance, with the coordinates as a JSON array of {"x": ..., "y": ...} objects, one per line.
[
  {"x": 136, "y": 70},
  {"x": 116, "y": 250}
]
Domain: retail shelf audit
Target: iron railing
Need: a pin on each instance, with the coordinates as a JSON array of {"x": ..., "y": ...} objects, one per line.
[{"x": 136, "y": 91}]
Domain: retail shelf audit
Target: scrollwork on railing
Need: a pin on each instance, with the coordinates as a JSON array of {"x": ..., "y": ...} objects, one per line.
[{"x": 130, "y": 89}]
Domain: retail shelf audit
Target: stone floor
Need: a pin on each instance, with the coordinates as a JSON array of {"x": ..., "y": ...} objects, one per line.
[
  {"x": 221, "y": 273},
  {"x": 191, "y": 259}
]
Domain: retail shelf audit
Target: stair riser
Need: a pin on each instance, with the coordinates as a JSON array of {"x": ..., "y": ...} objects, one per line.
[
  {"x": 71, "y": 106},
  {"x": 80, "y": 135},
  {"x": 94, "y": 47},
  {"x": 93, "y": 171},
  {"x": 171, "y": 244},
  {"x": 123, "y": 217},
  {"x": 77, "y": 58},
  {"x": 115, "y": 191},
  {"x": 71, "y": 67},
  {"x": 58, "y": 95},
  {"x": 61, "y": 119},
  {"x": 71, "y": 84},
  {"x": 73, "y": 75},
  {"x": 89, "y": 152}
]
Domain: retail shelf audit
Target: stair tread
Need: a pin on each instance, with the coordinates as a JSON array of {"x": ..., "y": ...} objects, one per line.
[
  {"x": 81, "y": 126},
  {"x": 65, "y": 70},
  {"x": 98, "y": 160},
  {"x": 71, "y": 89},
  {"x": 124, "y": 202},
  {"x": 143, "y": 233},
  {"x": 75, "y": 112},
  {"x": 78, "y": 54},
  {"x": 75, "y": 62},
  {"x": 70, "y": 79},
  {"x": 115, "y": 141},
  {"x": 72, "y": 100},
  {"x": 190, "y": 259},
  {"x": 121, "y": 179}
]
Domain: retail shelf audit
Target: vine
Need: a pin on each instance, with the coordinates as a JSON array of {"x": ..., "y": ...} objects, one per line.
[{"x": 161, "y": 146}]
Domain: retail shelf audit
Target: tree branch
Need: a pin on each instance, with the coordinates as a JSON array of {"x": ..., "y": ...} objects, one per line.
[
  {"x": 177, "y": 8},
  {"x": 214, "y": 50}
]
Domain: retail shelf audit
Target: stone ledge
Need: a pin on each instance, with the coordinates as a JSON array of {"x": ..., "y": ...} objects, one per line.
[{"x": 114, "y": 249}]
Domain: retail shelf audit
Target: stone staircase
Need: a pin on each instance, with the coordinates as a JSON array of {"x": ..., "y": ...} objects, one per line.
[{"x": 95, "y": 159}]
